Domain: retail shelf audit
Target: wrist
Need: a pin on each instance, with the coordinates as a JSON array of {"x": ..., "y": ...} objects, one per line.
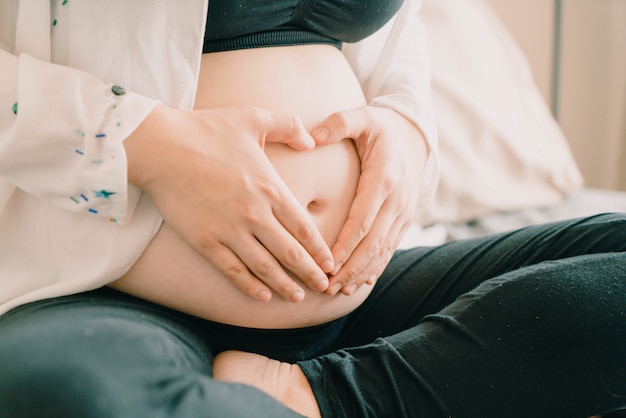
[
  {"x": 140, "y": 146},
  {"x": 415, "y": 136}
]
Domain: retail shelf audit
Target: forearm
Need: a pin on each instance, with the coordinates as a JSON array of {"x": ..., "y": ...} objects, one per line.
[
  {"x": 62, "y": 133},
  {"x": 393, "y": 66}
]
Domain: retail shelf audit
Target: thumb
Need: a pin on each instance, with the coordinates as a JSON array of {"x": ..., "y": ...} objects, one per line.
[
  {"x": 340, "y": 125},
  {"x": 287, "y": 128}
]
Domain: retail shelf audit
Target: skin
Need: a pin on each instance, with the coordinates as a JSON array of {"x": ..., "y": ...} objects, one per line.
[
  {"x": 393, "y": 153},
  {"x": 248, "y": 249},
  {"x": 356, "y": 194},
  {"x": 391, "y": 149},
  {"x": 183, "y": 174},
  {"x": 283, "y": 381}
]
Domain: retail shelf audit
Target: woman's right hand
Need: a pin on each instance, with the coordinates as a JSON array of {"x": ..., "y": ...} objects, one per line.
[{"x": 207, "y": 173}]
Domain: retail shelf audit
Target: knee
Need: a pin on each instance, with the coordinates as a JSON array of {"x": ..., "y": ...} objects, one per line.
[
  {"x": 42, "y": 374},
  {"x": 604, "y": 232},
  {"x": 569, "y": 299},
  {"x": 53, "y": 363},
  {"x": 615, "y": 219},
  {"x": 44, "y": 388},
  {"x": 84, "y": 365}
]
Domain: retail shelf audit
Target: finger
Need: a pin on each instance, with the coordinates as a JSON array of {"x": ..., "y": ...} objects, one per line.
[
  {"x": 340, "y": 125},
  {"x": 293, "y": 257},
  {"x": 363, "y": 212},
  {"x": 235, "y": 270},
  {"x": 370, "y": 274},
  {"x": 375, "y": 272},
  {"x": 368, "y": 251},
  {"x": 286, "y": 128},
  {"x": 266, "y": 268},
  {"x": 294, "y": 219}
]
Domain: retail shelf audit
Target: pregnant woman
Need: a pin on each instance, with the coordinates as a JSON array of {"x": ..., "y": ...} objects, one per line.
[
  {"x": 264, "y": 56},
  {"x": 529, "y": 322}
]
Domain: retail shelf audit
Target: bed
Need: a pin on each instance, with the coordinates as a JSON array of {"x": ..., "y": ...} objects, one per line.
[{"x": 505, "y": 162}]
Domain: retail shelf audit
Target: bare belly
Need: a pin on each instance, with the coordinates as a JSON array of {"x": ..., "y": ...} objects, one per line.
[{"x": 312, "y": 82}]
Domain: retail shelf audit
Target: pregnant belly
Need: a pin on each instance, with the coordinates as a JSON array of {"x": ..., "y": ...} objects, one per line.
[{"x": 312, "y": 82}]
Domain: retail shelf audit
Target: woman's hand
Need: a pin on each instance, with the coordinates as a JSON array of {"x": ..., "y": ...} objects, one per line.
[
  {"x": 393, "y": 153},
  {"x": 206, "y": 172}
]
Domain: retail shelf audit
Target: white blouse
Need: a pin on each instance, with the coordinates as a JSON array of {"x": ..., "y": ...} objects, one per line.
[{"x": 78, "y": 78}]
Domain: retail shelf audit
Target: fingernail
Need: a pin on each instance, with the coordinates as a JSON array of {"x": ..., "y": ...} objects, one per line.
[
  {"x": 322, "y": 285},
  {"x": 349, "y": 289},
  {"x": 327, "y": 266},
  {"x": 264, "y": 295},
  {"x": 320, "y": 134},
  {"x": 335, "y": 288},
  {"x": 297, "y": 296},
  {"x": 338, "y": 267}
]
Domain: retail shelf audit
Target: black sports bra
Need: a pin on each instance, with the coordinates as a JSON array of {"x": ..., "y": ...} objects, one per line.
[{"x": 242, "y": 24}]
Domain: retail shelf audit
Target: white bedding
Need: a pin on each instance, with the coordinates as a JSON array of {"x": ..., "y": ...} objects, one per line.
[
  {"x": 500, "y": 148},
  {"x": 583, "y": 202},
  {"x": 504, "y": 160}
]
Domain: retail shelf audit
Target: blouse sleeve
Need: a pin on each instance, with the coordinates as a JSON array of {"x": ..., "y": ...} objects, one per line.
[
  {"x": 61, "y": 137},
  {"x": 393, "y": 68}
]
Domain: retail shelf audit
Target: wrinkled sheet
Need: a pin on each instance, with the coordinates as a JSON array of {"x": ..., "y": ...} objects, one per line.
[{"x": 582, "y": 202}]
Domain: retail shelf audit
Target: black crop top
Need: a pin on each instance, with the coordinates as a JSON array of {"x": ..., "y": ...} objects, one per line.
[{"x": 242, "y": 24}]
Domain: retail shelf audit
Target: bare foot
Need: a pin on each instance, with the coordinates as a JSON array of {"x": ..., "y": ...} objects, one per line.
[{"x": 283, "y": 381}]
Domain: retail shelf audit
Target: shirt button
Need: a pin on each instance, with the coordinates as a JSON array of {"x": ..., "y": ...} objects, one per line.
[{"x": 118, "y": 90}]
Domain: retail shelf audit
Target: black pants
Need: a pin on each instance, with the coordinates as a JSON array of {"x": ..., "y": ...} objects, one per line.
[{"x": 526, "y": 323}]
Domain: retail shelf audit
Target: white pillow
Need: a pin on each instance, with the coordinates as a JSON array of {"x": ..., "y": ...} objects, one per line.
[{"x": 500, "y": 147}]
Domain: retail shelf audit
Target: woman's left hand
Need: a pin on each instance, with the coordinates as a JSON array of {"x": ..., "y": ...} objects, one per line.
[{"x": 393, "y": 152}]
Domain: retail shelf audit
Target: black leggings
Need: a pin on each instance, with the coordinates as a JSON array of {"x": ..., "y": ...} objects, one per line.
[{"x": 526, "y": 323}]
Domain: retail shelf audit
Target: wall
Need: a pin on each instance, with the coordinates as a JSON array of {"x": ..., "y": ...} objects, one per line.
[{"x": 589, "y": 97}]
